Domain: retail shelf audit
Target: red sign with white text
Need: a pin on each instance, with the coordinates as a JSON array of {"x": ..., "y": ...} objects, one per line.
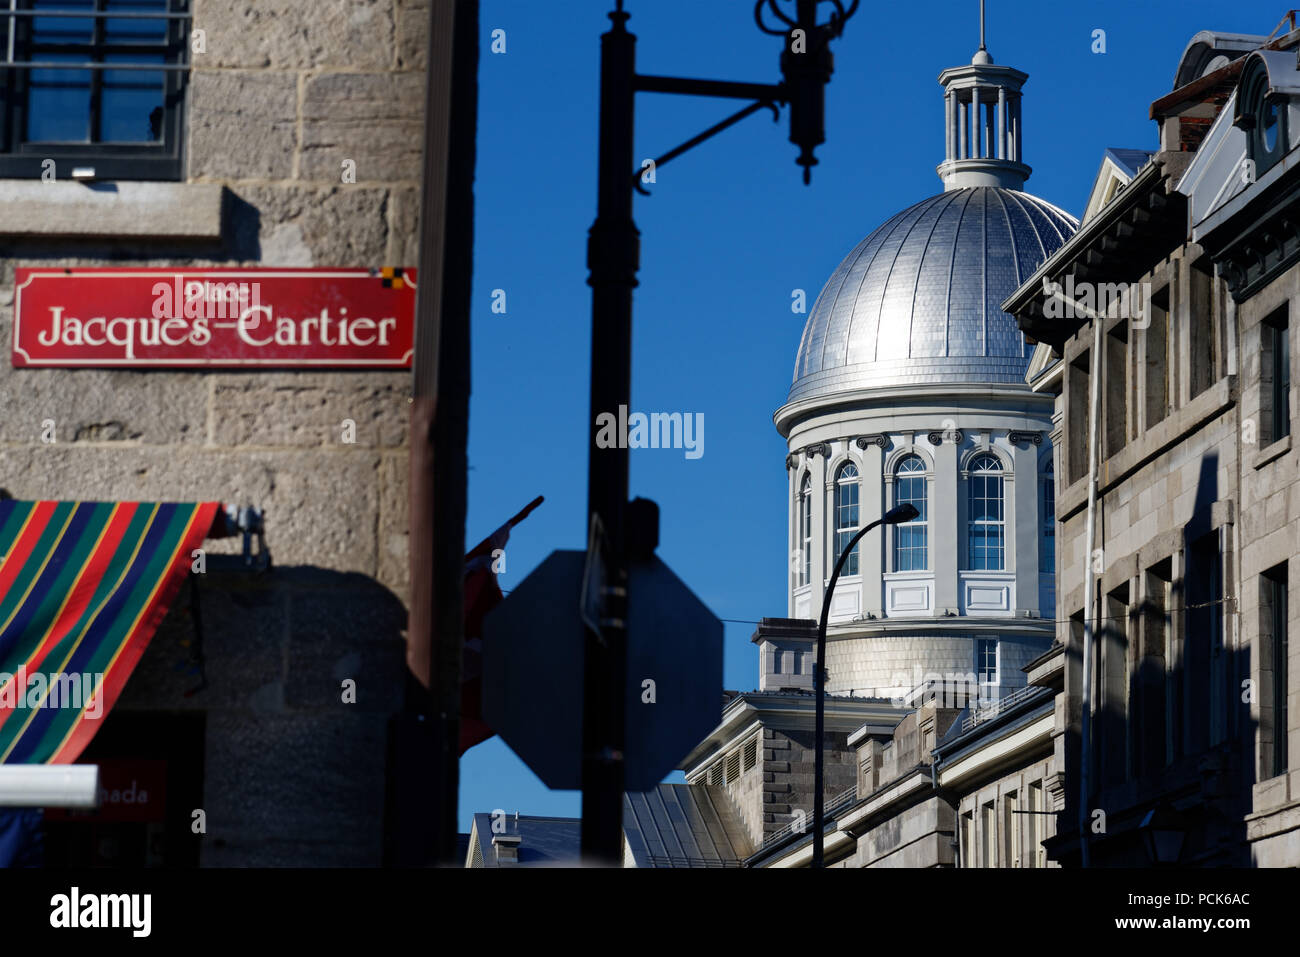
[{"x": 214, "y": 318}]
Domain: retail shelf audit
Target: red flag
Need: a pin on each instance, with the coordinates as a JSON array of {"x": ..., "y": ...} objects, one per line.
[{"x": 482, "y": 594}]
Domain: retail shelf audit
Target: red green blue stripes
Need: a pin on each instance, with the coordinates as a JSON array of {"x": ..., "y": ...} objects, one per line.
[{"x": 83, "y": 587}]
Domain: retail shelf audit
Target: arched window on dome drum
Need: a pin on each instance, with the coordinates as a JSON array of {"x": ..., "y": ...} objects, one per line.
[
  {"x": 911, "y": 540},
  {"x": 805, "y": 530},
  {"x": 986, "y": 523},
  {"x": 1047, "y": 515},
  {"x": 846, "y": 514}
]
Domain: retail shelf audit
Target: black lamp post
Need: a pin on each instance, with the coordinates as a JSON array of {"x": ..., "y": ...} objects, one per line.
[
  {"x": 904, "y": 513},
  {"x": 613, "y": 256}
]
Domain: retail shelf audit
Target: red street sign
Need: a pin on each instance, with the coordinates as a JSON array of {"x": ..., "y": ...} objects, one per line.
[{"x": 214, "y": 318}]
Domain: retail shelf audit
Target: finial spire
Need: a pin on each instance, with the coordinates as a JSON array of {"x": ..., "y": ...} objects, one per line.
[{"x": 982, "y": 46}]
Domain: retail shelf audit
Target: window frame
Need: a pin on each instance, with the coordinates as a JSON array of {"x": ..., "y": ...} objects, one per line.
[
  {"x": 1277, "y": 348},
  {"x": 163, "y": 161},
  {"x": 805, "y": 531},
  {"x": 974, "y": 475},
  {"x": 844, "y": 533},
  {"x": 920, "y": 524},
  {"x": 986, "y": 648}
]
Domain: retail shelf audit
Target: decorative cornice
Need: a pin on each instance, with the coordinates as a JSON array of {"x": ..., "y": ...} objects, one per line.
[
  {"x": 878, "y": 439},
  {"x": 1033, "y": 438}
]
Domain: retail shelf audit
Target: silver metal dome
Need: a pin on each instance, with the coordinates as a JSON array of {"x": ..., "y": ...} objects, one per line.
[{"x": 917, "y": 303}]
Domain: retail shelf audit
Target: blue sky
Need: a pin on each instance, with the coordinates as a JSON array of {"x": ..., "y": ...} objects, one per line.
[{"x": 729, "y": 232}]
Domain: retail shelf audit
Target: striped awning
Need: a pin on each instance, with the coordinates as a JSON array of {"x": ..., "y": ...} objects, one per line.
[{"x": 83, "y": 587}]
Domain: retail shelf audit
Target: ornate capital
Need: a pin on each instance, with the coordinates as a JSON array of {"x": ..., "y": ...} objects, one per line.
[
  {"x": 1033, "y": 438},
  {"x": 956, "y": 436},
  {"x": 877, "y": 439}
]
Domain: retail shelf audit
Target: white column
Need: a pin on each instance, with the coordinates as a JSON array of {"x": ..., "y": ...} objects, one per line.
[
  {"x": 947, "y": 126},
  {"x": 792, "y": 576},
  {"x": 962, "y": 129},
  {"x": 871, "y": 506},
  {"x": 1018, "y": 136},
  {"x": 1002, "y": 122},
  {"x": 822, "y": 534},
  {"x": 945, "y": 530},
  {"x": 975, "y": 122}
]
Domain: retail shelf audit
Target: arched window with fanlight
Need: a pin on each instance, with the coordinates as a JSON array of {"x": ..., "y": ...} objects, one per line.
[
  {"x": 911, "y": 539},
  {"x": 986, "y": 516},
  {"x": 846, "y": 514},
  {"x": 805, "y": 530}
]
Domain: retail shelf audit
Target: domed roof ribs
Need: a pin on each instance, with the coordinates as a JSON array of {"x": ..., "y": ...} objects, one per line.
[
  {"x": 984, "y": 291},
  {"x": 893, "y": 225},
  {"x": 1011, "y": 234},
  {"x": 1015, "y": 255},
  {"x": 884, "y": 286},
  {"x": 920, "y": 267},
  {"x": 952, "y": 266}
]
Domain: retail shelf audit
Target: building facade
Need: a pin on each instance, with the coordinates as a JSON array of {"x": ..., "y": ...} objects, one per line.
[
  {"x": 1175, "y": 401},
  {"x": 272, "y": 134}
]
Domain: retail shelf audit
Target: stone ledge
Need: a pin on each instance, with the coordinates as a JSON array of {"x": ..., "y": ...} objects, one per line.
[{"x": 111, "y": 209}]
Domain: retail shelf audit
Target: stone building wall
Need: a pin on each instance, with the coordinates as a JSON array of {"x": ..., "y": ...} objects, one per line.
[
  {"x": 1270, "y": 537},
  {"x": 1169, "y": 484},
  {"x": 289, "y": 102}
]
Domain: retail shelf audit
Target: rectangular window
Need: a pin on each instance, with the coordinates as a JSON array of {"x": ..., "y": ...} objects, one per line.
[
  {"x": 988, "y": 836},
  {"x": 1275, "y": 375},
  {"x": 1158, "y": 386},
  {"x": 1275, "y": 652},
  {"x": 1160, "y": 691},
  {"x": 1115, "y": 388},
  {"x": 968, "y": 840},
  {"x": 986, "y": 660},
  {"x": 1033, "y": 826},
  {"x": 1010, "y": 832},
  {"x": 1077, "y": 405},
  {"x": 93, "y": 84},
  {"x": 751, "y": 753},
  {"x": 1204, "y": 352}
]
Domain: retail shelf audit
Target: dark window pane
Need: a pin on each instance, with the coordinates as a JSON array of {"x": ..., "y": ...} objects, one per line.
[
  {"x": 58, "y": 103},
  {"x": 132, "y": 102},
  {"x": 135, "y": 30},
  {"x": 56, "y": 30}
]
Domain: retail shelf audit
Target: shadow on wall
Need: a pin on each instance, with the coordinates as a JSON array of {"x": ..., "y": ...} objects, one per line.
[
  {"x": 1173, "y": 723},
  {"x": 302, "y": 669}
]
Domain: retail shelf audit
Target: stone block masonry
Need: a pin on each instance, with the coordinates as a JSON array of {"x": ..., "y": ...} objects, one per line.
[{"x": 303, "y": 134}]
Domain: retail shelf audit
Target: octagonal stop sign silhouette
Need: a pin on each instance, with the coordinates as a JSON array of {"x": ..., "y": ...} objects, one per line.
[{"x": 533, "y": 670}]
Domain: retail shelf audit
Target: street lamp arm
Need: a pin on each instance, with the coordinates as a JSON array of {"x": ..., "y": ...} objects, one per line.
[
  {"x": 695, "y": 141},
  {"x": 720, "y": 88}
]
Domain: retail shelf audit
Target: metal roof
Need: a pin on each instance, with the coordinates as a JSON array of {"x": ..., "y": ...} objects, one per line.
[
  {"x": 917, "y": 303},
  {"x": 685, "y": 825},
  {"x": 543, "y": 841}
]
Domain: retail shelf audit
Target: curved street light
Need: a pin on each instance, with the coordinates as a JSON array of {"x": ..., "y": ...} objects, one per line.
[{"x": 896, "y": 516}]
